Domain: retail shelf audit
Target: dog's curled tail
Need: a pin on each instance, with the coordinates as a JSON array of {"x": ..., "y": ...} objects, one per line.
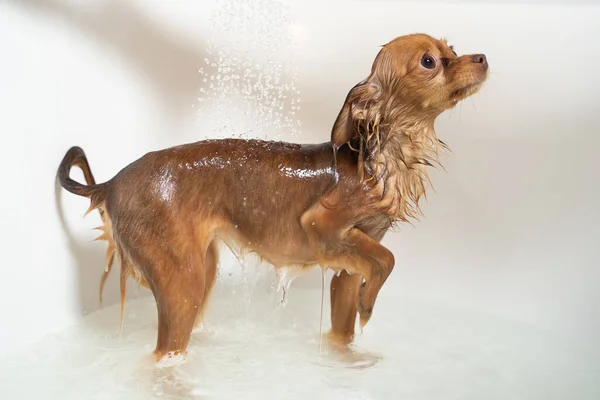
[{"x": 75, "y": 157}]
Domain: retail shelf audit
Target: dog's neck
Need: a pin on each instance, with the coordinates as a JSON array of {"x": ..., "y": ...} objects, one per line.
[{"x": 399, "y": 166}]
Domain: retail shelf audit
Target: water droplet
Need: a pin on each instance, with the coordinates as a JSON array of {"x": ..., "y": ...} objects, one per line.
[{"x": 264, "y": 78}]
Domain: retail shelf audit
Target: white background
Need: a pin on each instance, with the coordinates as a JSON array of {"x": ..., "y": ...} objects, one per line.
[{"x": 512, "y": 227}]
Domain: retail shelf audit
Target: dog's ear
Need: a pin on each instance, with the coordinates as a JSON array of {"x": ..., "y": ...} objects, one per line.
[{"x": 360, "y": 97}]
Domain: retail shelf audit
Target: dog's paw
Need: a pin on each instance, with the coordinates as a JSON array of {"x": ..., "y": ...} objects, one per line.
[{"x": 366, "y": 301}]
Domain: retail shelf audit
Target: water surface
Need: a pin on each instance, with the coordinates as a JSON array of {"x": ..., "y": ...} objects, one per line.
[{"x": 252, "y": 347}]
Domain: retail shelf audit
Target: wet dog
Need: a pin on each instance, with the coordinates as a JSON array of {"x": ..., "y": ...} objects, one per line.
[{"x": 327, "y": 204}]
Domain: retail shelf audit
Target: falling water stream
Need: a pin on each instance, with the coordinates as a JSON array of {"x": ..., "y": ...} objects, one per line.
[{"x": 249, "y": 68}]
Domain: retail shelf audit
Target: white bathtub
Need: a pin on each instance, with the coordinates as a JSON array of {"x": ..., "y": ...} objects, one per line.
[{"x": 495, "y": 291}]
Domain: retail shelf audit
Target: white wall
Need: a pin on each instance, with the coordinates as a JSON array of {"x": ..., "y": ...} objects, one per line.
[{"x": 512, "y": 227}]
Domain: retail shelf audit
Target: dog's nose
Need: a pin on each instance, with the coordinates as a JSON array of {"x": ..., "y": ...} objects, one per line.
[{"x": 480, "y": 59}]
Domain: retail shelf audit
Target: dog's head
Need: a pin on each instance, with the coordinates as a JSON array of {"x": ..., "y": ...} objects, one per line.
[{"x": 414, "y": 78}]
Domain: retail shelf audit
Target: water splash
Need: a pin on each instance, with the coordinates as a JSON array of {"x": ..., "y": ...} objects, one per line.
[
  {"x": 249, "y": 69},
  {"x": 275, "y": 359},
  {"x": 171, "y": 360},
  {"x": 264, "y": 359}
]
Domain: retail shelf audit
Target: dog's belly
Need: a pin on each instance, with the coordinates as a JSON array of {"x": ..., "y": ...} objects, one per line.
[{"x": 291, "y": 249}]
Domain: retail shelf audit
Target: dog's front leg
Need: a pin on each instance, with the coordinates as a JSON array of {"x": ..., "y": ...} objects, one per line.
[
  {"x": 344, "y": 289},
  {"x": 338, "y": 244}
]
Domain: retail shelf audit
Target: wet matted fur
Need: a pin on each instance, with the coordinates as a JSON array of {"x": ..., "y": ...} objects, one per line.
[{"x": 326, "y": 204}]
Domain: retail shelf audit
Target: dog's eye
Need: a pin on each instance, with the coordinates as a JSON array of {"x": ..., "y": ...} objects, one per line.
[
  {"x": 428, "y": 62},
  {"x": 453, "y": 52}
]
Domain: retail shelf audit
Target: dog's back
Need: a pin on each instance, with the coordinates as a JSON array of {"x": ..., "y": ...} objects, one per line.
[{"x": 250, "y": 192}]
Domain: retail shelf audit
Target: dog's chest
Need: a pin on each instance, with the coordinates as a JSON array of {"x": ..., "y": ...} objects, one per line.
[
  {"x": 375, "y": 226},
  {"x": 397, "y": 196}
]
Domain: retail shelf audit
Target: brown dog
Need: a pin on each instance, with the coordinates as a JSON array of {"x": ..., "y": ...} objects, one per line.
[{"x": 328, "y": 204}]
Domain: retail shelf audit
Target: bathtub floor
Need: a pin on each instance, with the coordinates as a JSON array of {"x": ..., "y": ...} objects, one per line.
[{"x": 253, "y": 348}]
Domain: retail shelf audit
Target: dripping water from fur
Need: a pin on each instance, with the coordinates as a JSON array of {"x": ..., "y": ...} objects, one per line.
[
  {"x": 285, "y": 277},
  {"x": 335, "y": 170},
  {"x": 322, "y": 306}
]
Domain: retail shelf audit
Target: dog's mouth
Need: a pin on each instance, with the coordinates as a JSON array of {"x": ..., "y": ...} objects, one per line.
[{"x": 465, "y": 92}]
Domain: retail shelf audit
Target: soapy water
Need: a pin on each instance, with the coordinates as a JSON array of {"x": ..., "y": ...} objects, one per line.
[
  {"x": 251, "y": 346},
  {"x": 249, "y": 69}
]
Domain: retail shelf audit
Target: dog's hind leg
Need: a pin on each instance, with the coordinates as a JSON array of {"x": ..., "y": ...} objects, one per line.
[
  {"x": 177, "y": 280},
  {"x": 210, "y": 267},
  {"x": 178, "y": 302},
  {"x": 171, "y": 262}
]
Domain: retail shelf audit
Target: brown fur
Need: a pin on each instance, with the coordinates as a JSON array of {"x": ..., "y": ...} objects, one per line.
[{"x": 327, "y": 204}]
